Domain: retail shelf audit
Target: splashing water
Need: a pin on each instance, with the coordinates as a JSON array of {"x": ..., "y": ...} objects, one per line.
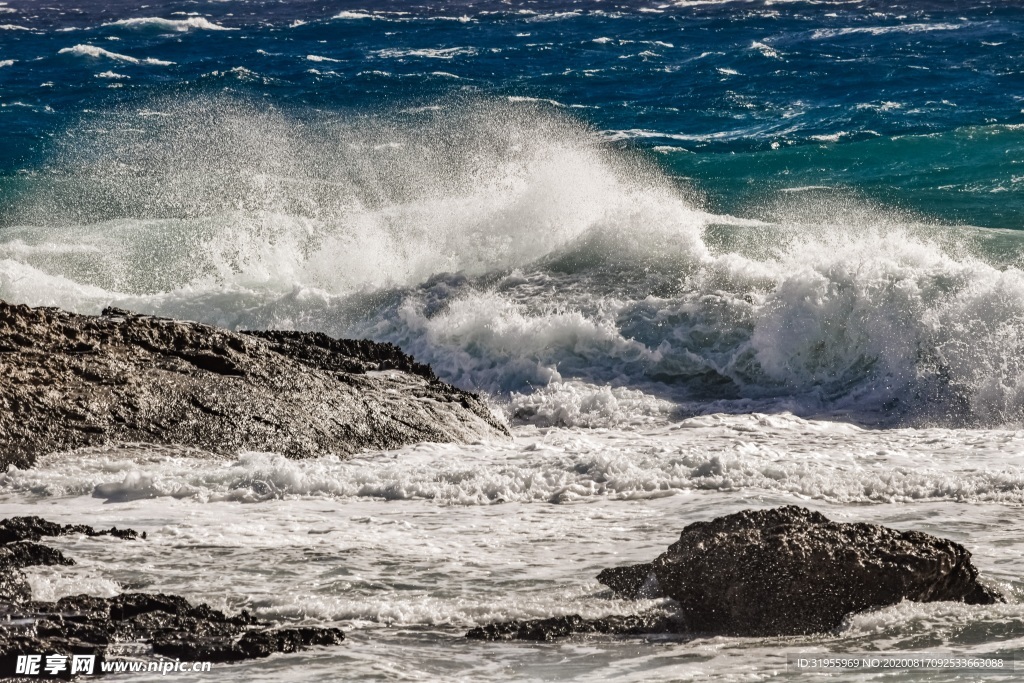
[{"x": 513, "y": 250}]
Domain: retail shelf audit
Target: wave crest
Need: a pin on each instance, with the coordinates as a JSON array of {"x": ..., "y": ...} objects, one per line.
[{"x": 511, "y": 247}]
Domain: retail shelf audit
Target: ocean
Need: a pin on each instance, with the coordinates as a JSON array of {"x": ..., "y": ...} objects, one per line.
[{"x": 702, "y": 256}]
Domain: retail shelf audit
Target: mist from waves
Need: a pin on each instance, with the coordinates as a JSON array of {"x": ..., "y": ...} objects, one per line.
[{"x": 522, "y": 255}]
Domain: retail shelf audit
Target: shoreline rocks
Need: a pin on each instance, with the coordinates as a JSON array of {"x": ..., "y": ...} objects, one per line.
[
  {"x": 780, "y": 572},
  {"x": 69, "y": 381},
  {"x": 152, "y": 624}
]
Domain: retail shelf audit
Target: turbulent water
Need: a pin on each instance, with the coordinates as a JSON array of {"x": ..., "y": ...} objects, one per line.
[{"x": 703, "y": 256}]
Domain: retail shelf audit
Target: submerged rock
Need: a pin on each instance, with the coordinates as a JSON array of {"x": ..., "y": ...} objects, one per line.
[
  {"x": 781, "y": 572},
  {"x": 791, "y": 571},
  {"x": 559, "y": 627},
  {"x": 148, "y": 624},
  {"x": 69, "y": 381}
]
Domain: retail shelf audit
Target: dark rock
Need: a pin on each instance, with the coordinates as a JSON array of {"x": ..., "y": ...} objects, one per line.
[
  {"x": 160, "y": 624},
  {"x": 34, "y": 528},
  {"x": 18, "y": 550},
  {"x": 13, "y": 586},
  {"x": 559, "y": 627},
  {"x": 28, "y": 554},
  {"x": 781, "y": 572},
  {"x": 252, "y": 644},
  {"x": 69, "y": 381},
  {"x": 791, "y": 571},
  {"x": 633, "y": 581}
]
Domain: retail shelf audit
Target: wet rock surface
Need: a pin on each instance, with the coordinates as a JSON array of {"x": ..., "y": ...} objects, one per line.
[
  {"x": 559, "y": 627},
  {"x": 780, "y": 572},
  {"x": 791, "y": 571},
  {"x": 69, "y": 381},
  {"x": 147, "y": 624},
  {"x": 34, "y": 528}
]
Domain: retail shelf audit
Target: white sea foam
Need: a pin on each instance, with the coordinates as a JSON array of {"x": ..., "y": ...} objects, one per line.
[
  {"x": 411, "y": 578},
  {"x": 518, "y": 98},
  {"x": 99, "y": 53},
  {"x": 354, "y": 15},
  {"x": 50, "y": 584},
  {"x": 508, "y": 247},
  {"x": 429, "y": 53},
  {"x": 648, "y": 458},
  {"x": 824, "y": 33},
  {"x": 764, "y": 49},
  {"x": 177, "y": 25}
]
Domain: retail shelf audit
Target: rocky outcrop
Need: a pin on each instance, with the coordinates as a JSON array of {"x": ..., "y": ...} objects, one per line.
[
  {"x": 69, "y": 381},
  {"x": 791, "y": 571},
  {"x": 786, "y": 571},
  {"x": 559, "y": 627},
  {"x": 150, "y": 625}
]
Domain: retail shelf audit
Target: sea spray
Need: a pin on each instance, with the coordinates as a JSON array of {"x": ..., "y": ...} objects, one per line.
[{"x": 508, "y": 246}]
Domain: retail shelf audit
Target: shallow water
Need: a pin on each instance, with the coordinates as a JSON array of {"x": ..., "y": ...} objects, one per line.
[{"x": 408, "y": 550}]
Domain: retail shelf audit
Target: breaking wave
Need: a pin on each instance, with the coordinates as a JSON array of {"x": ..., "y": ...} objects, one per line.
[{"x": 522, "y": 254}]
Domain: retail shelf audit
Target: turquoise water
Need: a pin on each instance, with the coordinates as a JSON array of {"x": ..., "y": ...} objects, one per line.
[{"x": 911, "y": 104}]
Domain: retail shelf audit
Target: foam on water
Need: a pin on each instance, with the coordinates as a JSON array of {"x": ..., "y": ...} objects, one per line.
[
  {"x": 48, "y": 583},
  {"x": 507, "y": 245},
  {"x": 777, "y": 454},
  {"x": 411, "y": 580},
  {"x": 177, "y": 25},
  {"x": 99, "y": 53}
]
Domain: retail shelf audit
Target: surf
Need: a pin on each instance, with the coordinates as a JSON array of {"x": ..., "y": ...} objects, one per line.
[{"x": 520, "y": 253}]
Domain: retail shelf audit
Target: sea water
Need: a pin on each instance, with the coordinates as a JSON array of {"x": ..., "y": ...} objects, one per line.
[{"x": 702, "y": 256}]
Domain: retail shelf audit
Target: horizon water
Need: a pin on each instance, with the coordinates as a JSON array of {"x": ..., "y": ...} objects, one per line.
[{"x": 701, "y": 256}]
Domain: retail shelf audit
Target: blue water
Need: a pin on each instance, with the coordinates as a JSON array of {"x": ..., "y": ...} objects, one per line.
[{"x": 908, "y": 103}]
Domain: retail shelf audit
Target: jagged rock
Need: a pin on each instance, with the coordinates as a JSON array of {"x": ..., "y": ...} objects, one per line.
[
  {"x": 33, "y": 528},
  {"x": 633, "y": 581},
  {"x": 166, "y": 625},
  {"x": 791, "y": 571},
  {"x": 786, "y": 571},
  {"x": 19, "y": 550},
  {"x": 559, "y": 627},
  {"x": 252, "y": 644},
  {"x": 28, "y": 554},
  {"x": 69, "y": 381}
]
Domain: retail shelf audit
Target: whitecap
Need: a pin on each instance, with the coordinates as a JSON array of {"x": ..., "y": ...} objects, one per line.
[
  {"x": 99, "y": 53},
  {"x": 825, "y": 33},
  {"x": 429, "y": 53},
  {"x": 177, "y": 25}
]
